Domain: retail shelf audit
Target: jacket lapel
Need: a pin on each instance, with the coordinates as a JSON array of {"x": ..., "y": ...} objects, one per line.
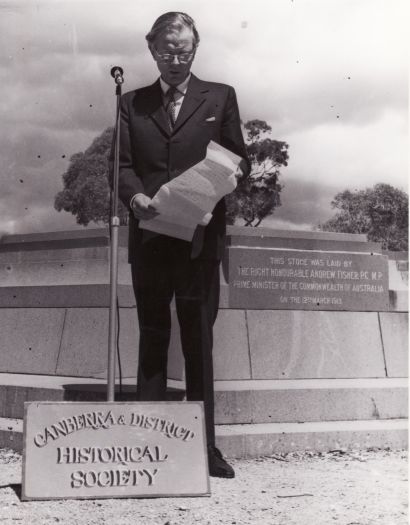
[
  {"x": 194, "y": 98},
  {"x": 155, "y": 107}
]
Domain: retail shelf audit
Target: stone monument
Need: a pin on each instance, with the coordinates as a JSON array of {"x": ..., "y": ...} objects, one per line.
[{"x": 310, "y": 341}]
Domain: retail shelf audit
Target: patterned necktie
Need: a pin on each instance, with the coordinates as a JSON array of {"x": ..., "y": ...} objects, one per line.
[{"x": 171, "y": 106}]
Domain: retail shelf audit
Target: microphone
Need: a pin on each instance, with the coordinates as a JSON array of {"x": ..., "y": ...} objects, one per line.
[{"x": 117, "y": 74}]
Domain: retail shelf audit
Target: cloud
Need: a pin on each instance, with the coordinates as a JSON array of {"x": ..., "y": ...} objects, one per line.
[
  {"x": 40, "y": 145},
  {"x": 351, "y": 155},
  {"x": 29, "y": 184},
  {"x": 39, "y": 219},
  {"x": 76, "y": 95},
  {"x": 304, "y": 203},
  {"x": 282, "y": 224},
  {"x": 71, "y": 27},
  {"x": 28, "y": 205},
  {"x": 298, "y": 64}
]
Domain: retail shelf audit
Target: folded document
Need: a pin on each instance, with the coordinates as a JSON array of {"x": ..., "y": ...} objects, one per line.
[{"x": 188, "y": 200}]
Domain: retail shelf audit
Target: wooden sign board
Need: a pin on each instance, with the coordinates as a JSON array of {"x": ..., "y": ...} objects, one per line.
[
  {"x": 114, "y": 450},
  {"x": 269, "y": 278}
]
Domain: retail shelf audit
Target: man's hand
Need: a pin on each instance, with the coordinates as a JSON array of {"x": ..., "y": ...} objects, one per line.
[{"x": 142, "y": 207}]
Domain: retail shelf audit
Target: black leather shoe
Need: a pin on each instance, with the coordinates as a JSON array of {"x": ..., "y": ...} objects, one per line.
[{"x": 218, "y": 467}]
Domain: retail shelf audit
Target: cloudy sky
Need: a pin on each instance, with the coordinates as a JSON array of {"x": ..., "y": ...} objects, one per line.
[{"x": 329, "y": 76}]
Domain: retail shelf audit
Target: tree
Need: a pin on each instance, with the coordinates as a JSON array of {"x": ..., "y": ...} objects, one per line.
[
  {"x": 258, "y": 194},
  {"x": 86, "y": 192},
  {"x": 380, "y": 212}
]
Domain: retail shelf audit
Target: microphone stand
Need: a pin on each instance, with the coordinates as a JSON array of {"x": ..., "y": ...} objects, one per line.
[{"x": 114, "y": 230}]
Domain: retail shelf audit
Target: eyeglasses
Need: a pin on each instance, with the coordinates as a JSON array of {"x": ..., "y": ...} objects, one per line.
[{"x": 167, "y": 58}]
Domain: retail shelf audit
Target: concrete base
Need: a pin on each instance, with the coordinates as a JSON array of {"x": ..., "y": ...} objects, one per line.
[
  {"x": 395, "y": 332},
  {"x": 253, "y": 417},
  {"x": 249, "y": 344},
  {"x": 302, "y": 344},
  {"x": 246, "y": 402},
  {"x": 246, "y": 441},
  {"x": 11, "y": 434}
]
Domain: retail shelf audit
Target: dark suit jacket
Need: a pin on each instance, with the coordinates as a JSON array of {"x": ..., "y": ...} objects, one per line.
[{"x": 151, "y": 155}]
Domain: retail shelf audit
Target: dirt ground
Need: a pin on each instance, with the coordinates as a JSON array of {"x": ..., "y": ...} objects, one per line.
[{"x": 344, "y": 488}]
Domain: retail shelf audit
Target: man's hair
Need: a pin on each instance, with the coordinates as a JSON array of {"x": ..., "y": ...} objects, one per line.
[{"x": 170, "y": 22}]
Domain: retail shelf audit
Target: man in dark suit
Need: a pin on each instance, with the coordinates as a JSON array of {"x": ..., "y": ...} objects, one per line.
[{"x": 165, "y": 129}]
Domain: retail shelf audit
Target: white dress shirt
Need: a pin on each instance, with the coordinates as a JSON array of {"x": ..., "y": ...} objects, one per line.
[{"x": 180, "y": 93}]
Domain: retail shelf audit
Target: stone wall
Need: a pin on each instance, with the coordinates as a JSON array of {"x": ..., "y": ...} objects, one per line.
[{"x": 54, "y": 314}]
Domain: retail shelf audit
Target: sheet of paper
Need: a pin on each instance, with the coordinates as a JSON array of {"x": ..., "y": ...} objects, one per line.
[{"x": 189, "y": 199}]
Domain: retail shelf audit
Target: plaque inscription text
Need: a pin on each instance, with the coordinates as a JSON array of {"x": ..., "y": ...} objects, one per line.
[{"x": 266, "y": 278}]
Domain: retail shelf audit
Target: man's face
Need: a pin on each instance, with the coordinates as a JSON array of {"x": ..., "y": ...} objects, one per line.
[{"x": 174, "y": 54}]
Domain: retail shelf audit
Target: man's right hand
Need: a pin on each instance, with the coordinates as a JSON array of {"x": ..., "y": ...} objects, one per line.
[{"x": 142, "y": 207}]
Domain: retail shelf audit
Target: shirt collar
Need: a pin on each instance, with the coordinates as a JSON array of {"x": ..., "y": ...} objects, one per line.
[{"x": 182, "y": 87}]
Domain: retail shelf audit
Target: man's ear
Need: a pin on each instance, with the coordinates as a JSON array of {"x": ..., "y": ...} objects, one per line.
[{"x": 152, "y": 50}]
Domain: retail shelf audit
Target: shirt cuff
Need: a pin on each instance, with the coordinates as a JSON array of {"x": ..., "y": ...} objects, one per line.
[{"x": 132, "y": 199}]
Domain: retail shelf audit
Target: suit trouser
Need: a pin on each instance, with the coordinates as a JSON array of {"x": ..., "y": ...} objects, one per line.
[{"x": 164, "y": 268}]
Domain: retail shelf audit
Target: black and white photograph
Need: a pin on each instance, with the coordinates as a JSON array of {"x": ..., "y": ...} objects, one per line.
[{"x": 204, "y": 262}]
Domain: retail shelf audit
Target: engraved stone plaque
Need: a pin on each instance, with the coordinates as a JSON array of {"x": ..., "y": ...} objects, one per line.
[
  {"x": 110, "y": 450},
  {"x": 266, "y": 278}
]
